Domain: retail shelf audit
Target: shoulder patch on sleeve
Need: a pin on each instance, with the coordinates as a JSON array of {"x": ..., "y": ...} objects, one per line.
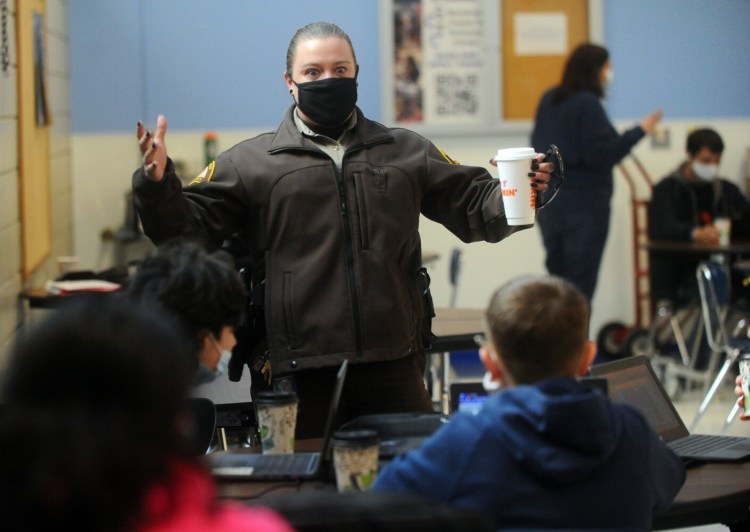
[
  {"x": 446, "y": 156},
  {"x": 206, "y": 175}
]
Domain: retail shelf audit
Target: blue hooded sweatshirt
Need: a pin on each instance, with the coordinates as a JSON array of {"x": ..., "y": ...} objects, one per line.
[{"x": 556, "y": 454}]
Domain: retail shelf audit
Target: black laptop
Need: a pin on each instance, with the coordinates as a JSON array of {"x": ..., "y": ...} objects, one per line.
[
  {"x": 240, "y": 465},
  {"x": 632, "y": 381},
  {"x": 467, "y": 397},
  {"x": 471, "y": 396},
  {"x": 399, "y": 432}
]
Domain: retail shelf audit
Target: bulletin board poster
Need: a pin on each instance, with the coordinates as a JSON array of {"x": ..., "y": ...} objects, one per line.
[
  {"x": 439, "y": 66},
  {"x": 456, "y": 63}
]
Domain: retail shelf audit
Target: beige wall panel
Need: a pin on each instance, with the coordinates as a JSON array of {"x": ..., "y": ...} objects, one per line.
[
  {"x": 9, "y": 150},
  {"x": 8, "y": 201}
]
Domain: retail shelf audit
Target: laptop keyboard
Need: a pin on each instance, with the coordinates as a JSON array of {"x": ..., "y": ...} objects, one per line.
[
  {"x": 701, "y": 443},
  {"x": 266, "y": 466},
  {"x": 297, "y": 464}
]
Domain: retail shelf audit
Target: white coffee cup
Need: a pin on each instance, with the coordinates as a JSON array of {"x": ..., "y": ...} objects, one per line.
[
  {"x": 724, "y": 225},
  {"x": 519, "y": 199}
]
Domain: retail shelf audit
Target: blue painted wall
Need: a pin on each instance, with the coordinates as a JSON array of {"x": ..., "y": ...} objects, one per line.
[
  {"x": 219, "y": 63},
  {"x": 692, "y": 57},
  {"x": 204, "y": 64}
]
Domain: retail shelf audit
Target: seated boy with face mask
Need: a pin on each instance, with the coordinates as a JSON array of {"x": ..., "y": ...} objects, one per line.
[
  {"x": 545, "y": 451},
  {"x": 203, "y": 290},
  {"x": 685, "y": 207}
]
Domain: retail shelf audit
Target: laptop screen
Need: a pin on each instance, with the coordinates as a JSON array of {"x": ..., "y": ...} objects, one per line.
[
  {"x": 467, "y": 397},
  {"x": 632, "y": 381},
  {"x": 471, "y": 396}
]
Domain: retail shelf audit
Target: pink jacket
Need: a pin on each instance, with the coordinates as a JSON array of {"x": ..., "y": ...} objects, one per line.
[{"x": 186, "y": 502}]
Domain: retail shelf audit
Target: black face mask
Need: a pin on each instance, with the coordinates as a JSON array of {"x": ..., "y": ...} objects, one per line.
[{"x": 328, "y": 102}]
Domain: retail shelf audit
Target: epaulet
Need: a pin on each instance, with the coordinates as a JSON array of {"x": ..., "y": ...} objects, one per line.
[
  {"x": 206, "y": 175},
  {"x": 447, "y": 157}
]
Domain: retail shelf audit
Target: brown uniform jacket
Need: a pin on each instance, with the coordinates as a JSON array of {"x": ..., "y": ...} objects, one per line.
[{"x": 341, "y": 249}]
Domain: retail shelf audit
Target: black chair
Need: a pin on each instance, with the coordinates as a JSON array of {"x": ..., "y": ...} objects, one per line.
[
  {"x": 203, "y": 414},
  {"x": 235, "y": 421},
  {"x": 714, "y": 286}
]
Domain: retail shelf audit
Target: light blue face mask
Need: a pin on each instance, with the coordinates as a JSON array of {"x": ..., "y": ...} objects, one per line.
[
  {"x": 705, "y": 171},
  {"x": 205, "y": 374},
  {"x": 224, "y": 356}
]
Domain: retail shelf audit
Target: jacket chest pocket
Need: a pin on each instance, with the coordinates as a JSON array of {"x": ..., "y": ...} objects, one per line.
[
  {"x": 380, "y": 179},
  {"x": 385, "y": 208}
]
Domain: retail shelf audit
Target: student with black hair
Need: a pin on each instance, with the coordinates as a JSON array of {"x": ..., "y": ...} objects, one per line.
[
  {"x": 204, "y": 292},
  {"x": 94, "y": 434}
]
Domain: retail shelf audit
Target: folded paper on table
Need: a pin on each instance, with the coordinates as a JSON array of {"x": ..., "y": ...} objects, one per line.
[{"x": 62, "y": 288}]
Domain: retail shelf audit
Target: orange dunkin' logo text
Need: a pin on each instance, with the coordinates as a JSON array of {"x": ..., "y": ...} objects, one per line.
[{"x": 513, "y": 192}]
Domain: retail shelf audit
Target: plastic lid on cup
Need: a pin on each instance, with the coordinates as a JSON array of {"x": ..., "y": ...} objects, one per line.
[
  {"x": 515, "y": 154},
  {"x": 356, "y": 438},
  {"x": 275, "y": 398}
]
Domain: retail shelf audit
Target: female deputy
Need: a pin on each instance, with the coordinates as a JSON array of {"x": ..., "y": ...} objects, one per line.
[{"x": 328, "y": 206}]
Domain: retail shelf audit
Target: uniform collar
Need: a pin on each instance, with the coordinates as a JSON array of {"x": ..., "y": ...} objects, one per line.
[
  {"x": 364, "y": 132},
  {"x": 305, "y": 130}
]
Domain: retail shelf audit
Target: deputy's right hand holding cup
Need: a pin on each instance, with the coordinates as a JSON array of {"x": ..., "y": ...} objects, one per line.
[
  {"x": 522, "y": 173},
  {"x": 514, "y": 171}
]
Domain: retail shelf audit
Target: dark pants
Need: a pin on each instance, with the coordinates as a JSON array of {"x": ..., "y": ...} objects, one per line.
[
  {"x": 370, "y": 388},
  {"x": 574, "y": 242}
]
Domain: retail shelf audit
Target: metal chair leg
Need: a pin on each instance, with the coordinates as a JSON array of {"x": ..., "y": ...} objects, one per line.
[
  {"x": 730, "y": 418},
  {"x": 728, "y": 361},
  {"x": 680, "y": 339}
]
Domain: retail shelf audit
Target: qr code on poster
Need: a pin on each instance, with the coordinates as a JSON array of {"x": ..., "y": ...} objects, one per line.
[{"x": 457, "y": 95}]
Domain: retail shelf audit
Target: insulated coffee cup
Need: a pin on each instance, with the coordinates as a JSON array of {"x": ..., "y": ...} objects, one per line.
[
  {"x": 276, "y": 413},
  {"x": 355, "y": 459}
]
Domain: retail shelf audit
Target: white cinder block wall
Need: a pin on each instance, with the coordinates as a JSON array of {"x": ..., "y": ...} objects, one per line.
[{"x": 13, "y": 313}]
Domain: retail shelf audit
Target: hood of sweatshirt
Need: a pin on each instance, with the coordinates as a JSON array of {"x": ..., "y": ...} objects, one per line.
[{"x": 558, "y": 428}]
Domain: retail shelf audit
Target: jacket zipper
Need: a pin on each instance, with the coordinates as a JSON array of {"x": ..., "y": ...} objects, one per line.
[
  {"x": 348, "y": 241},
  {"x": 362, "y": 210},
  {"x": 349, "y": 248}
]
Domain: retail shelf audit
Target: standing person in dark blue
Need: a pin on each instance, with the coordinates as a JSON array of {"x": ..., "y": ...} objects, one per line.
[
  {"x": 545, "y": 445},
  {"x": 570, "y": 115}
]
